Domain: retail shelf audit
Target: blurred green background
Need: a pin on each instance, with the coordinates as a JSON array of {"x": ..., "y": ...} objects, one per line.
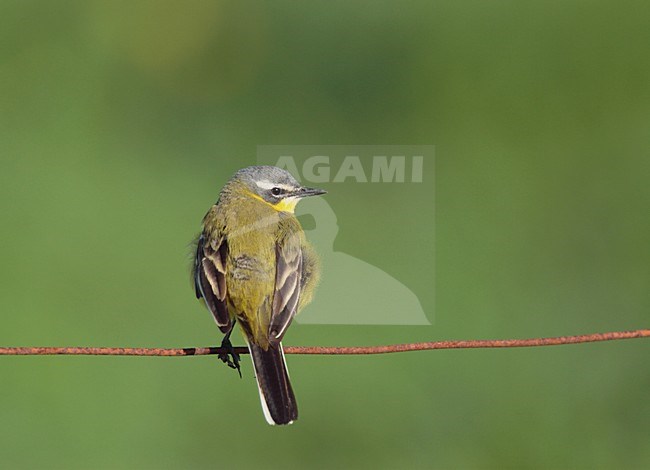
[{"x": 120, "y": 121}]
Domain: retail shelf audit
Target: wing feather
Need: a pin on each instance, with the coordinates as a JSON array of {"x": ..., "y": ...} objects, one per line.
[
  {"x": 287, "y": 286},
  {"x": 210, "y": 278}
]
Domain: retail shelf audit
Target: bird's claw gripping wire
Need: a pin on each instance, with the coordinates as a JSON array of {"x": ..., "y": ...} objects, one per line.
[{"x": 228, "y": 355}]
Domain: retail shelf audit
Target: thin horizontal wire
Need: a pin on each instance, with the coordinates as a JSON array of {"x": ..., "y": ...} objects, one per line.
[{"x": 331, "y": 350}]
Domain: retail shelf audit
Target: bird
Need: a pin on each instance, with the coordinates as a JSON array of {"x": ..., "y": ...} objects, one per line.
[{"x": 254, "y": 266}]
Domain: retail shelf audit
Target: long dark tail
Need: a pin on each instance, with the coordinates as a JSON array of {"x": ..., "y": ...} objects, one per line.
[{"x": 278, "y": 401}]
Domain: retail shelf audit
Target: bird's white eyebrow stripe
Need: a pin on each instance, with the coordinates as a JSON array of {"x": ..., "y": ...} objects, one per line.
[{"x": 266, "y": 184}]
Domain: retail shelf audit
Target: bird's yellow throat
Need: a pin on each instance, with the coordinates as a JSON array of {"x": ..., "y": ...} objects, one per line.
[{"x": 285, "y": 205}]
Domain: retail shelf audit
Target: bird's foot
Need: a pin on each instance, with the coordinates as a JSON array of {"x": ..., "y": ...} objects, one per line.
[{"x": 229, "y": 356}]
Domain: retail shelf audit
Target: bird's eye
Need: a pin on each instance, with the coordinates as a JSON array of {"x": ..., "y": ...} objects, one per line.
[{"x": 276, "y": 191}]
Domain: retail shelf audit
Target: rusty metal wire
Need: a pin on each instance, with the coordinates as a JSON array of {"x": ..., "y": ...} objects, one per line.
[{"x": 327, "y": 350}]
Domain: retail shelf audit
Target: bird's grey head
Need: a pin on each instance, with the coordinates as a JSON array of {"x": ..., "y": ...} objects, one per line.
[{"x": 273, "y": 184}]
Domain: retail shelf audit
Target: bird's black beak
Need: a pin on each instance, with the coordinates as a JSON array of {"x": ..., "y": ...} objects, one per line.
[{"x": 304, "y": 192}]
